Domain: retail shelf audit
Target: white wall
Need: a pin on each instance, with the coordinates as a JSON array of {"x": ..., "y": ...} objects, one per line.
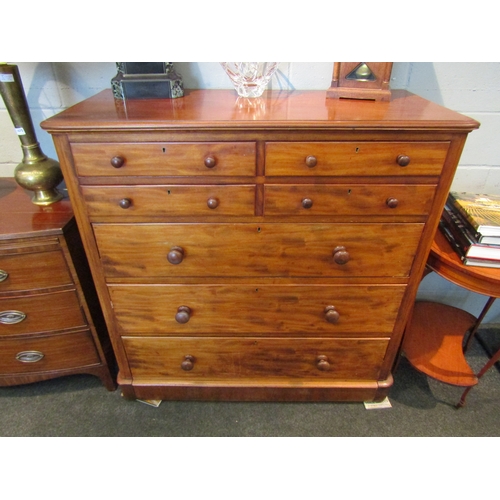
[{"x": 469, "y": 88}]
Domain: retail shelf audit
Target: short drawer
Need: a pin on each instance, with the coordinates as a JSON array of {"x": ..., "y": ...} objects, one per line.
[
  {"x": 32, "y": 271},
  {"x": 40, "y": 313},
  {"x": 169, "y": 159},
  {"x": 364, "y": 199},
  {"x": 241, "y": 310},
  {"x": 162, "y": 201},
  {"x": 268, "y": 249},
  {"x": 355, "y": 158},
  {"x": 254, "y": 358},
  {"x": 47, "y": 353}
]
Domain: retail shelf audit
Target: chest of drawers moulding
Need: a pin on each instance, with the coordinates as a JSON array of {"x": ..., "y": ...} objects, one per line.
[
  {"x": 268, "y": 249},
  {"x": 51, "y": 323}
]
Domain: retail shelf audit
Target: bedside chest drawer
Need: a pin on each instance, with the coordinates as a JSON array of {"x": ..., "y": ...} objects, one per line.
[
  {"x": 32, "y": 271},
  {"x": 373, "y": 199},
  {"x": 54, "y": 352},
  {"x": 253, "y": 358},
  {"x": 124, "y": 159},
  {"x": 322, "y": 250},
  {"x": 161, "y": 201},
  {"x": 235, "y": 309},
  {"x": 355, "y": 158},
  {"x": 40, "y": 313}
]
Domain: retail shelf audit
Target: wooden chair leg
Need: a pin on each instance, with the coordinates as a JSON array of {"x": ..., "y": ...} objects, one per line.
[{"x": 485, "y": 368}]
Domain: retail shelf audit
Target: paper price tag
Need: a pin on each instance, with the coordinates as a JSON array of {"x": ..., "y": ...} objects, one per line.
[
  {"x": 20, "y": 131},
  {"x": 6, "y": 77}
]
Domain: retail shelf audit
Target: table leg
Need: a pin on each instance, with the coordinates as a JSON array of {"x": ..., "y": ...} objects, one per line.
[
  {"x": 485, "y": 368},
  {"x": 474, "y": 329}
]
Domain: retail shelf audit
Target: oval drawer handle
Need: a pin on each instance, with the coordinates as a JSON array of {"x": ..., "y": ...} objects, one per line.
[
  {"x": 311, "y": 161},
  {"x": 210, "y": 162},
  {"x": 183, "y": 314},
  {"x": 331, "y": 314},
  {"x": 307, "y": 203},
  {"x": 29, "y": 356},
  {"x": 188, "y": 363},
  {"x": 3, "y": 275},
  {"x": 341, "y": 255},
  {"x": 11, "y": 317},
  {"x": 176, "y": 255},
  {"x": 403, "y": 160},
  {"x": 117, "y": 161},
  {"x": 392, "y": 202},
  {"x": 322, "y": 363},
  {"x": 212, "y": 203},
  {"x": 125, "y": 203}
]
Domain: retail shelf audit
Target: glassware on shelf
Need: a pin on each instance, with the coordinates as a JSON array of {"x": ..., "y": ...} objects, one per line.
[{"x": 250, "y": 79}]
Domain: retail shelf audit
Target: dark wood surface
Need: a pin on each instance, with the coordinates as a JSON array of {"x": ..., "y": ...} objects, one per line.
[
  {"x": 202, "y": 109},
  {"x": 20, "y": 218}
]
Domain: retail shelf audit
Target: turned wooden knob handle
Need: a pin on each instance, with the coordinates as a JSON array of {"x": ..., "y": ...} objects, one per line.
[
  {"x": 322, "y": 363},
  {"x": 183, "y": 314},
  {"x": 341, "y": 255},
  {"x": 125, "y": 203},
  {"x": 176, "y": 255},
  {"x": 188, "y": 363},
  {"x": 392, "y": 202},
  {"x": 307, "y": 203},
  {"x": 212, "y": 203},
  {"x": 403, "y": 160},
  {"x": 332, "y": 315},
  {"x": 311, "y": 161},
  {"x": 117, "y": 161},
  {"x": 209, "y": 162}
]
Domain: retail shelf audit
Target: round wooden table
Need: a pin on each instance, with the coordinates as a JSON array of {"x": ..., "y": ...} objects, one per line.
[{"x": 434, "y": 338}]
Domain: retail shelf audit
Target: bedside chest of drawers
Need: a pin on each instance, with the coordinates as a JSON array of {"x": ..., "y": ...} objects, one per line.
[
  {"x": 50, "y": 319},
  {"x": 265, "y": 249}
]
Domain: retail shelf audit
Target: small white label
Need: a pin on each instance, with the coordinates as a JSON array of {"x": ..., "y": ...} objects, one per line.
[
  {"x": 6, "y": 77},
  {"x": 20, "y": 131},
  {"x": 369, "y": 405}
]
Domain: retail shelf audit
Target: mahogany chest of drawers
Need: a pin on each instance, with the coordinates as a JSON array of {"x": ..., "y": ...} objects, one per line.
[
  {"x": 50, "y": 320},
  {"x": 265, "y": 249}
]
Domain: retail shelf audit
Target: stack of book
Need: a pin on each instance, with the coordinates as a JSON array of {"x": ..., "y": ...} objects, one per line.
[{"x": 471, "y": 223}]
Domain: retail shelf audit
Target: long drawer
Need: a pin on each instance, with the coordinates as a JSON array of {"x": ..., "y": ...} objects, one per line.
[
  {"x": 357, "y": 199},
  {"x": 241, "y": 310},
  {"x": 162, "y": 201},
  {"x": 193, "y": 359},
  {"x": 240, "y": 249},
  {"x": 355, "y": 158},
  {"x": 40, "y": 313},
  {"x": 30, "y": 271},
  {"x": 54, "y": 352},
  {"x": 169, "y": 159}
]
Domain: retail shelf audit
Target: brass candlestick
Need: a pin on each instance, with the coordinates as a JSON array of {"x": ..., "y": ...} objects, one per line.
[{"x": 36, "y": 172}]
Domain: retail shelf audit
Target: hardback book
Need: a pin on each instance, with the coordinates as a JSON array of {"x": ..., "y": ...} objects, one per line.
[
  {"x": 463, "y": 241},
  {"x": 468, "y": 261},
  {"x": 482, "y": 263},
  {"x": 480, "y": 211}
]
